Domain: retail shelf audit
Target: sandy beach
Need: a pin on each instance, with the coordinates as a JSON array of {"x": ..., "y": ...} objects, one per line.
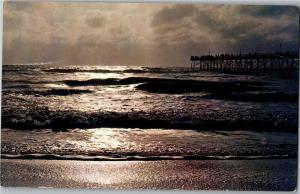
[{"x": 277, "y": 174}]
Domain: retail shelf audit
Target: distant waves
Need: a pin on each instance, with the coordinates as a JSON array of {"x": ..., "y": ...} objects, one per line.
[
  {"x": 128, "y": 70},
  {"x": 247, "y": 91}
]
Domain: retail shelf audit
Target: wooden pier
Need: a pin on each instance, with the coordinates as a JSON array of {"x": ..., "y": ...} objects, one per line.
[{"x": 253, "y": 63}]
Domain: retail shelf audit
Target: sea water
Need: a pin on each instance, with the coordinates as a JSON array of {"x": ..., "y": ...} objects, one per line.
[{"x": 141, "y": 113}]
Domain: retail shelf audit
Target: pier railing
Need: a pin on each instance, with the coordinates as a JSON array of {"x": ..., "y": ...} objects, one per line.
[{"x": 247, "y": 63}]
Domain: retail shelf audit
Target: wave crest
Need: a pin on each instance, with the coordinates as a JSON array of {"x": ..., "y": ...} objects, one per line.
[{"x": 51, "y": 92}]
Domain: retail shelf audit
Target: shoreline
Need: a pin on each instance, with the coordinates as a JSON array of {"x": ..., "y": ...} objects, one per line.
[
  {"x": 246, "y": 175},
  {"x": 142, "y": 158}
]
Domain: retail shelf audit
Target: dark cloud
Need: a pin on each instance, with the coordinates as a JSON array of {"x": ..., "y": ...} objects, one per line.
[
  {"x": 173, "y": 14},
  {"x": 95, "y": 22},
  {"x": 269, "y": 11},
  {"x": 11, "y": 22},
  {"x": 120, "y": 34},
  {"x": 17, "y": 5},
  {"x": 292, "y": 29},
  {"x": 222, "y": 27},
  {"x": 230, "y": 33},
  {"x": 236, "y": 30},
  {"x": 207, "y": 19},
  {"x": 172, "y": 31}
]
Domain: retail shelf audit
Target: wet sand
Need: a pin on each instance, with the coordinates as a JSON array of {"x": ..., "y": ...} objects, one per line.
[{"x": 272, "y": 174}]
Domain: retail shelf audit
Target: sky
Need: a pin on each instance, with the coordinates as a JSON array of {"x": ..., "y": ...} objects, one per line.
[{"x": 144, "y": 34}]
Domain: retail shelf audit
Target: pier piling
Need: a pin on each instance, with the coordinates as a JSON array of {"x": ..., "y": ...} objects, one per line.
[{"x": 257, "y": 63}]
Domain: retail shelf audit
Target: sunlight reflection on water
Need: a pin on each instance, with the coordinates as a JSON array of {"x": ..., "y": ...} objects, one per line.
[{"x": 133, "y": 141}]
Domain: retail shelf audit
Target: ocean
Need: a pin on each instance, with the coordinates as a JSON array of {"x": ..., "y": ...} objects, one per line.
[{"x": 143, "y": 113}]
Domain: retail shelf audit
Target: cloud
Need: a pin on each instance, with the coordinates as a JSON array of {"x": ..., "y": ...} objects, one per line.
[
  {"x": 141, "y": 33},
  {"x": 11, "y": 22},
  {"x": 95, "y": 22},
  {"x": 269, "y": 11},
  {"x": 232, "y": 27},
  {"x": 17, "y": 5},
  {"x": 172, "y": 14}
]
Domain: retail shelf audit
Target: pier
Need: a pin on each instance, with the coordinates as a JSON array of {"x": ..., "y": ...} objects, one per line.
[{"x": 252, "y": 63}]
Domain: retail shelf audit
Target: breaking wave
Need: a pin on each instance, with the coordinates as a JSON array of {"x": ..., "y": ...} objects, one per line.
[
  {"x": 65, "y": 120},
  {"x": 244, "y": 91},
  {"x": 161, "y": 84}
]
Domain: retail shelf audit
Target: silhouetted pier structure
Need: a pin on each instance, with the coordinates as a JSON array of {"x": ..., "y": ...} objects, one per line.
[{"x": 252, "y": 63}]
